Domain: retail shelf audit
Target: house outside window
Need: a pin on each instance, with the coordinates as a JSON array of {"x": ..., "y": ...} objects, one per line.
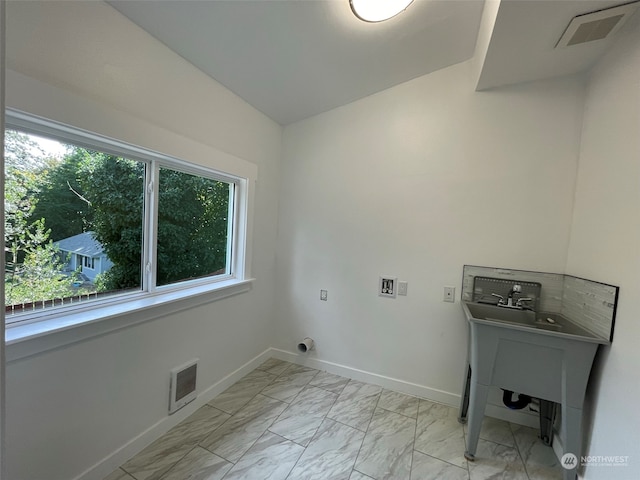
[{"x": 83, "y": 254}]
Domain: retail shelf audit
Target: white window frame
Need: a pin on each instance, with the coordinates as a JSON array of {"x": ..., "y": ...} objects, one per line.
[{"x": 50, "y": 328}]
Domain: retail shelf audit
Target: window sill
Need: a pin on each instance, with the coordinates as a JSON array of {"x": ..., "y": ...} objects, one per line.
[{"x": 32, "y": 338}]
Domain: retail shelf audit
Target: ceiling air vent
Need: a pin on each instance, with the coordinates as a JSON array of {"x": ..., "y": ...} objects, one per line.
[{"x": 596, "y": 25}]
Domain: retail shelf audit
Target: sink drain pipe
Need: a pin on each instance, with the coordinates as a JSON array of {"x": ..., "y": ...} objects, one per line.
[{"x": 523, "y": 400}]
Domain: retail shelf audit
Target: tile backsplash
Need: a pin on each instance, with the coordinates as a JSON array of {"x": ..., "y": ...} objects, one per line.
[
  {"x": 591, "y": 305},
  {"x": 587, "y": 303},
  {"x": 550, "y": 295}
]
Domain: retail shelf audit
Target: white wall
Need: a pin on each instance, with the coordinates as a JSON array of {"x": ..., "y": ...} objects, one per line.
[
  {"x": 83, "y": 63},
  {"x": 417, "y": 181},
  {"x": 605, "y": 244}
]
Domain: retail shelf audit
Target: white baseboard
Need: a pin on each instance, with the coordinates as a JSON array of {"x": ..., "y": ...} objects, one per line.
[
  {"x": 112, "y": 461},
  {"x": 395, "y": 384}
]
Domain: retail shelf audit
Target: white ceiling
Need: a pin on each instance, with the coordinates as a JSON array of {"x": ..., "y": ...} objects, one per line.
[
  {"x": 292, "y": 59},
  {"x": 524, "y": 37}
]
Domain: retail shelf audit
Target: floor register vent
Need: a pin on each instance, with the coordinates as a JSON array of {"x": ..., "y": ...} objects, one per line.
[
  {"x": 183, "y": 385},
  {"x": 596, "y": 25}
]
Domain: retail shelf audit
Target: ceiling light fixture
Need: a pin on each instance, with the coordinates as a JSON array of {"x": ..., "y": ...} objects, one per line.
[{"x": 378, "y": 10}]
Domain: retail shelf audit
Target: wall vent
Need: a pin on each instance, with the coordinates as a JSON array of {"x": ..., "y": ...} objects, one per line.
[
  {"x": 183, "y": 385},
  {"x": 596, "y": 25}
]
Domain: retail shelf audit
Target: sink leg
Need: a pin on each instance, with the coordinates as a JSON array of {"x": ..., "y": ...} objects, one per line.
[
  {"x": 477, "y": 402},
  {"x": 547, "y": 416},
  {"x": 572, "y": 430},
  {"x": 464, "y": 398}
]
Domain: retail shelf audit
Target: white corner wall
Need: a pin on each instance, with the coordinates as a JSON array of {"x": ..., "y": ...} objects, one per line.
[
  {"x": 415, "y": 182},
  {"x": 84, "y": 64},
  {"x": 485, "y": 33},
  {"x": 605, "y": 245}
]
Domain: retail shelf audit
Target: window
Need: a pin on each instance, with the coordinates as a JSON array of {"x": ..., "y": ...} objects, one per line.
[
  {"x": 92, "y": 221},
  {"x": 90, "y": 263},
  {"x": 193, "y": 226}
]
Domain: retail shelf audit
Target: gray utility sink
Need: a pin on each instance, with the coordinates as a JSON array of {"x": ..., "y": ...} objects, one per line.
[
  {"x": 542, "y": 355},
  {"x": 552, "y": 322}
]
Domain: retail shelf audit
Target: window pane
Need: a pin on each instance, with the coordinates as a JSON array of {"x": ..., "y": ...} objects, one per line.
[
  {"x": 73, "y": 223},
  {"x": 193, "y": 227}
]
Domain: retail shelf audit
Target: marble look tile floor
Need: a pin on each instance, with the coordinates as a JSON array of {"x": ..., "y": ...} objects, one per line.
[{"x": 284, "y": 421}]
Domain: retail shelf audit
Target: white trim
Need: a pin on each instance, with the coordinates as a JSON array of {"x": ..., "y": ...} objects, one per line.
[
  {"x": 112, "y": 461},
  {"x": 83, "y": 138},
  {"x": 232, "y": 235},
  {"x": 242, "y": 228},
  {"x": 395, "y": 384},
  {"x": 24, "y": 340},
  {"x": 150, "y": 232}
]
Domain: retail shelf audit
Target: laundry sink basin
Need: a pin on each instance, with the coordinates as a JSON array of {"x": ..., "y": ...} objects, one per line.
[
  {"x": 495, "y": 313},
  {"x": 546, "y": 322}
]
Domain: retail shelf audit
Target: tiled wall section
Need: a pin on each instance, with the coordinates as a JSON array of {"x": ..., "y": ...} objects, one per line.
[
  {"x": 485, "y": 287},
  {"x": 587, "y": 303},
  {"x": 550, "y": 296}
]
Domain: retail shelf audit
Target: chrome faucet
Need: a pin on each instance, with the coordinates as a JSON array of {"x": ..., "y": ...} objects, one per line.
[
  {"x": 509, "y": 303},
  {"x": 519, "y": 304},
  {"x": 515, "y": 289}
]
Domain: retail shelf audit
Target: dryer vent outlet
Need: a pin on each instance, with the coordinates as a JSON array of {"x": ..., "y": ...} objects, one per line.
[{"x": 183, "y": 385}]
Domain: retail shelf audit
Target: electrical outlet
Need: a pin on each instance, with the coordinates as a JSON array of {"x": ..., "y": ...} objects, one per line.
[
  {"x": 402, "y": 287},
  {"x": 449, "y": 294},
  {"x": 323, "y": 295}
]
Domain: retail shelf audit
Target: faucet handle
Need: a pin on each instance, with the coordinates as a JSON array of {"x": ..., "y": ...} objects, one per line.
[
  {"x": 523, "y": 299},
  {"x": 501, "y": 298}
]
